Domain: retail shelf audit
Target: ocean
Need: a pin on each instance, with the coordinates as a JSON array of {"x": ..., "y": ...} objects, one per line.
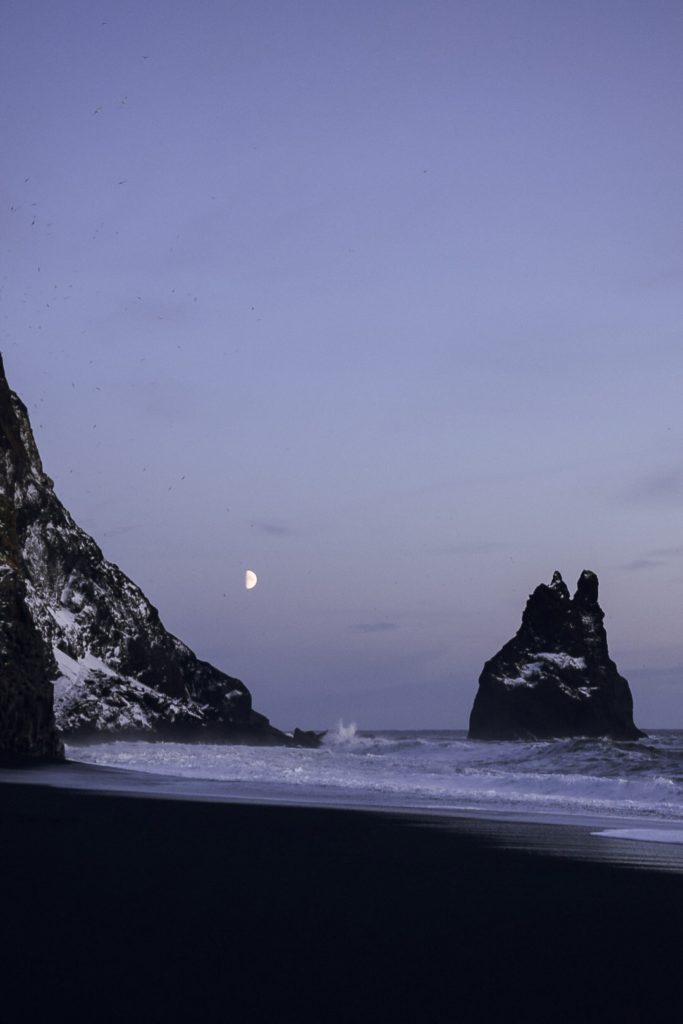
[
  {"x": 632, "y": 789},
  {"x": 487, "y": 881}
]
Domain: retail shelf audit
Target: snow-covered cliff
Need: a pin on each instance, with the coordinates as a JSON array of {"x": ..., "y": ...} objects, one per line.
[{"x": 116, "y": 669}]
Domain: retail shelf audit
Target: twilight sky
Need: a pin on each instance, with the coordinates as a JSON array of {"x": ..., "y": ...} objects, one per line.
[{"x": 381, "y": 300}]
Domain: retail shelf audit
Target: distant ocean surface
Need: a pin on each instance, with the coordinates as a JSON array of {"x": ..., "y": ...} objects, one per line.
[{"x": 442, "y": 771}]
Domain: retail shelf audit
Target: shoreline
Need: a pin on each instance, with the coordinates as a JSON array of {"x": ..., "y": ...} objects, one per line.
[
  {"x": 616, "y": 839},
  {"x": 154, "y": 908}
]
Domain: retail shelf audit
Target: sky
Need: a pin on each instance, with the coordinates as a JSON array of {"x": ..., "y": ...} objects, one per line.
[{"x": 381, "y": 300}]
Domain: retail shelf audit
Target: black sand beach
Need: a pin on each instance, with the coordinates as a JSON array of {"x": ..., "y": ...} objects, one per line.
[{"x": 136, "y": 909}]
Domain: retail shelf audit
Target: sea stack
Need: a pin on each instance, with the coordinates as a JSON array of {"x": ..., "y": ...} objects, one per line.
[
  {"x": 555, "y": 678},
  {"x": 69, "y": 617}
]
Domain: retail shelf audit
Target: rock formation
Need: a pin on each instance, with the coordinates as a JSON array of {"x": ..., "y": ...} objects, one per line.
[
  {"x": 70, "y": 616},
  {"x": 27, "y": 724},
  {"x": 555, "y": 677}
]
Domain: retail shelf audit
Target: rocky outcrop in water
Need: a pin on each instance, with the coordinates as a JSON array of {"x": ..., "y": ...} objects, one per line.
[
  {"x": 555, "y": 678},
  {"x": 116, "y": 670}
]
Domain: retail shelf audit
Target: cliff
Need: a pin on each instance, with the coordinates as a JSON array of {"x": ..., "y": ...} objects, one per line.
[
  {"x": 116, "y": 670},
  {"x": 27, "y": 724}
]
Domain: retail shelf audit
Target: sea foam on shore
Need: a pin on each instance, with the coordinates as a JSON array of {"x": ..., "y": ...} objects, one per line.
[{"x": 437, "y": 771}]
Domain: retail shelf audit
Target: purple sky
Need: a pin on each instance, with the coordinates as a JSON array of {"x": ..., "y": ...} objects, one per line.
[{"x": 381, "y": 300}]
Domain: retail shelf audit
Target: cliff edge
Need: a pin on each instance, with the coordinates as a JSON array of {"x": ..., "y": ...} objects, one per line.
[{"x": 70, "y": 617}]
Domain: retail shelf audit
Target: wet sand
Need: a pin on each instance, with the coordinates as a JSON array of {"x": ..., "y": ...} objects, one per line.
[{"x": 118, "y": 907}]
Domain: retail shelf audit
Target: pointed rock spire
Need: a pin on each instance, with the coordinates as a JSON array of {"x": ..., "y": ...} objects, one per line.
[
  {"x": 587, "y": 589},
  {"x": 555, "y": 677},
  {"x": 558, "y": 584}
]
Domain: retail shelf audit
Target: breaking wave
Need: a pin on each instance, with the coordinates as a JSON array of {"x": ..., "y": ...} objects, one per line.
[
  {"x": 347, "y": 734},
  {"x": 427, "y": 770}
]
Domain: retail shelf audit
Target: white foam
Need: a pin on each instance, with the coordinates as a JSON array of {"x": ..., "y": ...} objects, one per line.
[
  {"x": 342, "y": 734},
  {"x": 430, "y": 770},
  {"x": 644, "y": 835}
]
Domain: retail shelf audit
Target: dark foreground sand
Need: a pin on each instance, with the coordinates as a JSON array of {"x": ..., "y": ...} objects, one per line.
[{"x": 132, "y": 909}]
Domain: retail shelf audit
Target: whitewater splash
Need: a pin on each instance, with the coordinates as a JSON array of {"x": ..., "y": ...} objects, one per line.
[
  {"x": 436, "y": 771},
  {"x": 341, "y": 734}
]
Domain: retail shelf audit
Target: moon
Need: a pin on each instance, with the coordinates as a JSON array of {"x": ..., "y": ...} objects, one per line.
[{"x": 250, "y": 579}]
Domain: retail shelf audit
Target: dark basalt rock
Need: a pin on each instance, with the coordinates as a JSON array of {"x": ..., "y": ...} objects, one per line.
[
  {"x": 307, "y": 738},
  {"x": 116, "y": 670},
  {"x": 555, "y": 678},
  {"x": 27, "y": 723}
]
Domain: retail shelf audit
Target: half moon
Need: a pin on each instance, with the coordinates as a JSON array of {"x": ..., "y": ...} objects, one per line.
[{"x": 250, "y": 579}]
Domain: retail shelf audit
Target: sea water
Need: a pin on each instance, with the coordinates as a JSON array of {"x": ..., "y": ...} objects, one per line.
[{"x": 606, "y": 781}]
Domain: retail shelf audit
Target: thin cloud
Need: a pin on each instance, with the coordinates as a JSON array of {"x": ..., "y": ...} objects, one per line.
[
  {"x": 641, "y": 563},
  {"x": 118, "y": 531},
  {"x": 273, "y": 529},
  {"x": 653, "y": 559},
  {"x": 664, "y": 487},
  {"x": 471, "y": 547},
  {"x": 373, "y": 627}
]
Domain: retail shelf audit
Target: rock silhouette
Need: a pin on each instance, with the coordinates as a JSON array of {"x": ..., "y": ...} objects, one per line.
[
  {"x": 555, "y": 678},
  {"x": 27, "y": 724}
]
